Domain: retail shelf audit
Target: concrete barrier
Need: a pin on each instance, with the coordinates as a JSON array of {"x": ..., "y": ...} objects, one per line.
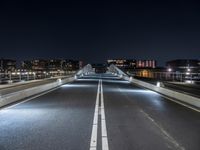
[
  {"x": 194, "y": 101},
  {"x": 19, "y": 95}
]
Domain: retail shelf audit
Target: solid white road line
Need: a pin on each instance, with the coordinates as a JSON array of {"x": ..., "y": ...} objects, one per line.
[
  {"x": 103, "y": 123},
  {"x": 93, "y": 142},
  {"x": 165, "y": 133}
]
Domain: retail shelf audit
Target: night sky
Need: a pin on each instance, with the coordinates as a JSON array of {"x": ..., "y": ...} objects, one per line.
[{"x": 94, "y": 31}]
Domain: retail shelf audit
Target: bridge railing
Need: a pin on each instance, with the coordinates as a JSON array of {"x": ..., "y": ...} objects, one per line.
[
  {"x": 168, "y": 76},
  {"x": 87, "y": 69},
  {"x": 113, "y": 69},
  {"x": 26, "y": 76}
]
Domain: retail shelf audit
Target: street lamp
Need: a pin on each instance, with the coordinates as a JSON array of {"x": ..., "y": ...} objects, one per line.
[
  {"x": 44, "y": 72},
  {"x": 169, "y": 69},
  {"x": 27, "y": 75},
  {"x": 187, "y": 73},
  {"x": 188, "y": 69}
]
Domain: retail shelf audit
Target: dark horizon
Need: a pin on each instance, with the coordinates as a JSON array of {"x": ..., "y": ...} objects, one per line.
[{"x": 94, "y": 31}]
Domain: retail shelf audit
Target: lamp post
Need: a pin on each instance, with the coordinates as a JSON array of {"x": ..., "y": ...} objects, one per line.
[
  {"x": 44, "y": 74},
  {"x": 19, "y": 73},
  {"x": 27, "y": 75},
  {"x": 10, "y": 76},
  {"x": 169, "y": 70},
  {"x": 188, "y": 72}
]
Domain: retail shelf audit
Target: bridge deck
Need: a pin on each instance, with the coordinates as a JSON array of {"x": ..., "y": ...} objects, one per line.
[{"x": 136, "y": 118}]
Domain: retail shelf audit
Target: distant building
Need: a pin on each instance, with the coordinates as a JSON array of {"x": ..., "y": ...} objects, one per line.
[
  {"x": 37, "y": 65},
  {"x": 55, "y": 64},
  {"x": 26, "y": 65},
  {"x": 122, "y": 63},
  {"x": 117, "y": 62},
  {"x": 52, "y": 65},
  {"x": 145, "y": 64},
  {"x": 183, "y": 65},
  {"x": 147, "y": 72},
  {"x": 7, "y": 65},
  {"x": 132, "y": 64},
  {"x": 72, "y": 65}
]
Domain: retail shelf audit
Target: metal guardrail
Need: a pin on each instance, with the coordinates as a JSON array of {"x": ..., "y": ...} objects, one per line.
[
  {"x": 182, "y": 97},
  {"x": 26, "y": 76},
  {"x": 24, "y": 93},
  {"x": 168, "y": 76}
]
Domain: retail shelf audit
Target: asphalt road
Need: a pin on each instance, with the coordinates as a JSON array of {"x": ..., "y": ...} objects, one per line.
[{"x": 135, "y": 119}]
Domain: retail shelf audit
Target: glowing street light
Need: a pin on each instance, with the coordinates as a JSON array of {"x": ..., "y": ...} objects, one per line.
[
  {"x": 187, "y": 73},
  {"x": 169, "y": 70}
]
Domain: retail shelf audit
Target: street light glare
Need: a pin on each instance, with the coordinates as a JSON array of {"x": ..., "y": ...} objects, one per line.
[{"x": 169, "y": 69}]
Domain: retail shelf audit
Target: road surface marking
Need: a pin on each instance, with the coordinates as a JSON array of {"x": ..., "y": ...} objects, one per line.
[
  {"x": 167, "y": 136},
  {"x": 165, "y": 133},
  {"x": 93, "y": 142},
  {"x": 103, "y": 123}
]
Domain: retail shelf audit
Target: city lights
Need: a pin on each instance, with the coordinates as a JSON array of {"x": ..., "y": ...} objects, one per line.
[{"x": 169, "y": 69}]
